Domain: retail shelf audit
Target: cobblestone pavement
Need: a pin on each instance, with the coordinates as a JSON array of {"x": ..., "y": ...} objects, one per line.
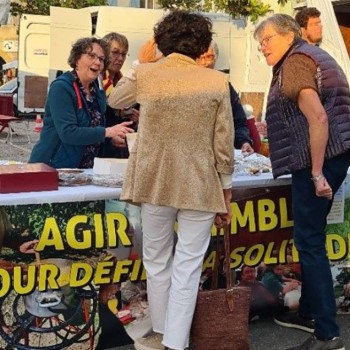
[
  {"x": 266, "y": 335},
  {"x": 19, "y": 150}
]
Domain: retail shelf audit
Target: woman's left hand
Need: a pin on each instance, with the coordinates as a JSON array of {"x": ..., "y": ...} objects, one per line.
[{"x": 323, "y": 189}]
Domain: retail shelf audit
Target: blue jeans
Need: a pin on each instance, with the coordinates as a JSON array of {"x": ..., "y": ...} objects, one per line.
[{"x": 310, "y": 217}]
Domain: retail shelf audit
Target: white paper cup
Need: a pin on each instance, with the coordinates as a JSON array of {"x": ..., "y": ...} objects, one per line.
[{"x": 131, "y": 139}]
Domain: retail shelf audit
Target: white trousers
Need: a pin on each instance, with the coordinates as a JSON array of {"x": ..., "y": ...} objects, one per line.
[{"x": 173, "y": 276}]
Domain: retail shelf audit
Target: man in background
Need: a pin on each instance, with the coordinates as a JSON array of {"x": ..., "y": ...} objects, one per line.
[
  {"x": 309, "y": 20},
  {"x": 243, "y": 140}
]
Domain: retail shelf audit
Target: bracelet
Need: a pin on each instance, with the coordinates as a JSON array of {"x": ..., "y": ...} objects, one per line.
[{"x": 315, "y": 179}]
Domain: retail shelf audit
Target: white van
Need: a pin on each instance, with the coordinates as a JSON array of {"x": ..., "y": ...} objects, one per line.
[{"x": 45, "y": 43}]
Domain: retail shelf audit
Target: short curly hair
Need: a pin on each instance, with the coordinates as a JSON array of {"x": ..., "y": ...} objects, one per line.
[
  {"x": 302, "y": 17},
  {"x": 183, "y": 32},
  {"x": 84, "y": 45}
]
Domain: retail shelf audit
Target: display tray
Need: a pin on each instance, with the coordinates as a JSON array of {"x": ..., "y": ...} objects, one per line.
[
  {"x": 73, "y": 177},
  {"x": 115, "y": 180},
  {"x": 25, "y": 177}
]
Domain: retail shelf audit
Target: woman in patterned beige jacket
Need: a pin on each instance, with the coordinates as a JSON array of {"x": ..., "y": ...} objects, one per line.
[{"x": 180, "y": 169}]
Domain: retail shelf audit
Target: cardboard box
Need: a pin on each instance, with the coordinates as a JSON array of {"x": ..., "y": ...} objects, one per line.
[
  {"x": 109, "y": 166},
  {"x": 27, "y": 178}
]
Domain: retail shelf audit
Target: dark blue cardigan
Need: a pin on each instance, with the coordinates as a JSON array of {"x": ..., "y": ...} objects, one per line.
[{"x": 67, "y": 130}]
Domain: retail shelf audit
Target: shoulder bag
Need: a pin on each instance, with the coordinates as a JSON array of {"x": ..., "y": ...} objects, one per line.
[{"x": 221, "y": 316}]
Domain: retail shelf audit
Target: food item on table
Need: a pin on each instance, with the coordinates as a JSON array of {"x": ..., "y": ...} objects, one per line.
[
  {"x": 70, "y": 171},
  {"x": 73, "y": 177},
  {"x": 253, "y": 164},
  {"x": 253, "y": 170},
  {"x": 109, "y": 171}
]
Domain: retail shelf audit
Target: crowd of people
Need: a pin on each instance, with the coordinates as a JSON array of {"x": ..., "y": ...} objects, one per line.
[{"x": 189, "y": 119}]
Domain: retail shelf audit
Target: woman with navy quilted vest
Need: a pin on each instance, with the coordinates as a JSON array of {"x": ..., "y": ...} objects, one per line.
[{"x": 308, "y": 123}]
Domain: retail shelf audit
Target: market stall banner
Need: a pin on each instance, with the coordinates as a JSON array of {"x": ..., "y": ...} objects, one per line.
[
  {"x": 261, "y": 232},
  {"x": 72, "y": 261},
  {"x": 90, "y": 233},
  {"x": 86, "y": 233}
]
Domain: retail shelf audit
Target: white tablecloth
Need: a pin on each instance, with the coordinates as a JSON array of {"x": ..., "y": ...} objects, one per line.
[{"x": 92, "y": 192}]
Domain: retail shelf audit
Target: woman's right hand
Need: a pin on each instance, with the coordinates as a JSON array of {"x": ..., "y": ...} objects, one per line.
[
  {"x": 223, "y": 219},
  {"x": 119, "y": 130},
  {"x": 148, "y": 52},
  {"x": 118, "y": 141}
]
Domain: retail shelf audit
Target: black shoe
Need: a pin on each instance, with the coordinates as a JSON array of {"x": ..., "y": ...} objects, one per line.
[
  {"x": 293, "y": 320},
  {"x": 313, "y": 343}
]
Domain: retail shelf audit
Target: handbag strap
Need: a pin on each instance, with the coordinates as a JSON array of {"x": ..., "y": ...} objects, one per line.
[
  {"x": 214, "y": 281},
  {"x": 230, "y": 291},
  {"x": 230, "y": 297},
  {"x": 227, "y": 257}
]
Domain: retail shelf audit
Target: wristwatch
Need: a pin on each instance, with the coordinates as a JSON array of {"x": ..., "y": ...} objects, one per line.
[{"x": 315, "y": 179}]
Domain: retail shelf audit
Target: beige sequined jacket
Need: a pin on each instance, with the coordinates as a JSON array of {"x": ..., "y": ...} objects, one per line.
[{"x": 185, "y": 134}]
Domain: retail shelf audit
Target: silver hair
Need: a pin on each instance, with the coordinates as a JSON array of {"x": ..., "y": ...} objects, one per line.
[
  {"x": 214, "y": 46},
  {"x": 119, "y": 38},
  {"x": 282, "y": 23}
]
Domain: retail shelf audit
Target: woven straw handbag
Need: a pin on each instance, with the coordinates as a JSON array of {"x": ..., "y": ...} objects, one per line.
[{"x": 221, "y": 316}]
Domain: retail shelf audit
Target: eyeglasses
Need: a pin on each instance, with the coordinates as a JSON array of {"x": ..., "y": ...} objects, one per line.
[
  {"x": 116, "y": 53},
  {"x": 266, "y": 41},
  {"x": 93, "y": 56},
  {"x": 207, "y": 57}
]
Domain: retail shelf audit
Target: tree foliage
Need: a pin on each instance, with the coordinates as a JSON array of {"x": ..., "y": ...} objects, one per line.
[
  {"x": 42, "y": 7},
  {"x": 235, "y": 8}
]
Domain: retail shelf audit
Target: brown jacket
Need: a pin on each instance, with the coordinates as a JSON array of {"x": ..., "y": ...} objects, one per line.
[{"x": 185, "y": 134}]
